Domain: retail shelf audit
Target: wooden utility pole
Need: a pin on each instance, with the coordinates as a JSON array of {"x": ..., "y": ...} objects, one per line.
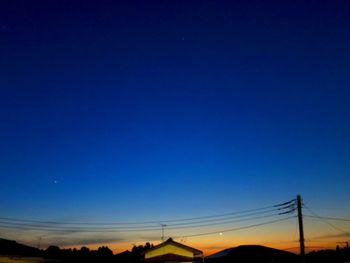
[{"x": 301, "y": 230}]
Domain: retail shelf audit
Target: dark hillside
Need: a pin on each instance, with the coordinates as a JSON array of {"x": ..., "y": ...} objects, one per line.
[
  {"x": 252, "y": 254},
  {"x": 9, "y": 247}
]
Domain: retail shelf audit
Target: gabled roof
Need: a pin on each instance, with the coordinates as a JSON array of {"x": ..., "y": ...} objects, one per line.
[{"x": 170, "y": 241}]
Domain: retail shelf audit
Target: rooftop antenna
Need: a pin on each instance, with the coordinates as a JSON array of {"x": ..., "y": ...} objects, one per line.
[
  {"x": 163, "y": 226},
  {"x": 39, "y": 241}
]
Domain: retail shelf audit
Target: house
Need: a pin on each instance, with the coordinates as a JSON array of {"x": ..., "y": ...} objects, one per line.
[{"x": 171, "y": 251}]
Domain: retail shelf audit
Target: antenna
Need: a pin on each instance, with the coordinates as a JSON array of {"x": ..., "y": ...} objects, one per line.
[
  {"x": 39, "y": 242},
  {"x": 163, "y": 226}
]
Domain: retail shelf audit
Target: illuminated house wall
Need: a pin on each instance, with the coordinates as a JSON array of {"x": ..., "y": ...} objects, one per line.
[{"x": 171, "y": 251}]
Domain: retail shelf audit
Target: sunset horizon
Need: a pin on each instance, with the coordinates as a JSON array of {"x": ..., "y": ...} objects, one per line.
[{"x": 126, "y": 122}]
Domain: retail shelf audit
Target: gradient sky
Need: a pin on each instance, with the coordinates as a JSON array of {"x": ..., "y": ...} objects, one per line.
[{"x": 151, "y": 110}]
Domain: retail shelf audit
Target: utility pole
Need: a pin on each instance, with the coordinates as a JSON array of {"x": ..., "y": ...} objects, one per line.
[{"x": 301, "y": 230}]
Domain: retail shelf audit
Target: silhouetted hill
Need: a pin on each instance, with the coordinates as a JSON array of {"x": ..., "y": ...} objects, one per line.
[
  {"x": 252, "y": 253},
  {"x": 9, "y": 247}
]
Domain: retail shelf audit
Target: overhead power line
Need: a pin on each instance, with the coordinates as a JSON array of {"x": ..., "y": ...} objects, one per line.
[
  {"x": 286, "y": 204},
  {"x": 178, "y": 225},
  {"x": 325, "y": 221},
  {"x": 329, "y": 218},
  {"x": 237, "y": 228},
  {"x": 24, "y": 226},
  {"x": 137, "y": 223},
  {"x": 145, "y": 224},
  {"x": 198, "y": 222}
]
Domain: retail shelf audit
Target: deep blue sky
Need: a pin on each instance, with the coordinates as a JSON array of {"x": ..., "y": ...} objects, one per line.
[{"x": 152, "y": 110}]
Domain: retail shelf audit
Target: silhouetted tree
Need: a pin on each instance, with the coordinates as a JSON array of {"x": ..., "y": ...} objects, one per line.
[
  {"x": 53, "y": 252},
  {"x": 148, "y": 246},
  {"x": 104, "y": 251},
  {"x": 137, "y": 252},
  {"x": 84, "y": 251}
]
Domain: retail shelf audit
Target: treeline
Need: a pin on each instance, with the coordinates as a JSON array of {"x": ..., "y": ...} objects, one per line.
[
  {"x": 102, "y": 254},
  {"x": 339, "y": 255}
]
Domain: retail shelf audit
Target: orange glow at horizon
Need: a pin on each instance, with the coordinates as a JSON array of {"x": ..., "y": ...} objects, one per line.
[
  {"x": 284, "y": 236},
  {"x": 212, "y": 245}
]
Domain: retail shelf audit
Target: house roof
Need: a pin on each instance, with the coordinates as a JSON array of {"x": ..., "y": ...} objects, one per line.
[{"x": 170, "y": 241}]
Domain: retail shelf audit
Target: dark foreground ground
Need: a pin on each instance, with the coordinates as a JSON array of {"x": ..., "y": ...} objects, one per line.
[
  {"x": 13, "y": 252},
  {"x": 20, "y": 259}
]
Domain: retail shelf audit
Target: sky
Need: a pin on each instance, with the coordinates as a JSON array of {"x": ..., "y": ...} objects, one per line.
[{"x": 138, "y": 111}]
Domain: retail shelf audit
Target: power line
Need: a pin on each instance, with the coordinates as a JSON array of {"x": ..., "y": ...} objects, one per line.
[
  {"x": 329, "y": 218},
  {"x": 291, "y": 202},
  {"x": 238, "y": 228},
  {"x": 215, "y": 221},
  {"x": 124, "y": 229},
  {"x": 136, "y": 223},
  {"x": 225, "y": 218},
  {"x": 145, "y": 224},
  {"x": 74, "y": 230},
  {"x": 185, "y": 223},
  {"x": 326, "y": 222},
  {"x": 230, "y": 221}
]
